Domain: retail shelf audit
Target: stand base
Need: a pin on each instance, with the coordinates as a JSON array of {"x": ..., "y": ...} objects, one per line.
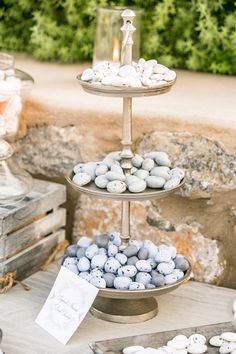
[{"x": 123, "y": 310}]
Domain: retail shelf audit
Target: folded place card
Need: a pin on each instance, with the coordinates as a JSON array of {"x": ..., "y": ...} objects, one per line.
[{"x": 66, "y": 306}]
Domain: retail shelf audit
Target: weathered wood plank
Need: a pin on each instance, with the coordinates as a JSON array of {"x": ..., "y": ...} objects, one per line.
[
  {"x": 15, "y": 242},
  {"x": 31, "y": 259},
  {"x": 159, "y": 339},
  {"x": 44, "y": 197}
]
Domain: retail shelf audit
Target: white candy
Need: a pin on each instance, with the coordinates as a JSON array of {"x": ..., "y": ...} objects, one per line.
[
  {"x": 133, "y": 349},
  {"x": 229, "y": 336},
  {"x": 137, "y": 187},
  {"x": 81, "y": 179},
  {"x": 137, "y": 161},
  {"x": 227, "y": 347},
  {"x": 116, "y": 168},
  {"x": 131, "y": 179},
  {"x": 160, "y": 69},
  {"x": 90, "y": 168},
  {"x": 101, "y": 181},
  {"x": 142, "y": 62},
  {"x": 147, "y": 82},
  {"x": 143, "y": 174},
  {"x": 133, "y": 81},
  {"x": 155, "y": 182},
  {"x": 161, "y": 171},
  {"x": 178, "y": 344},
  {"x": 87, "y": 75},
  {"x": 147, "y": 164},
  {"x": 197, "y": 338},
  {"x": 108, "y": 161},
  {"x": 114, "y": 176},
  {"x": 114, "y": 155},
  {"x": 127, "y": 70},
  {"x": 116, "y": 187},
  {"x": 151, "y": 62},
  {"x": 157, "y": 77},
  {"x": 101, "y": 170},
  {"x": 216, "y": 341},
  {"x": 172, "y": 183},
  {"x": 170, "y": 75},
  {"x": 197, "y": 348},
  {"x": 177, "y": 173}
]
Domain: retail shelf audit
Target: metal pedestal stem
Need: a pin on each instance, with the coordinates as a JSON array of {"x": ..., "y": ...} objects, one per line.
[{"x": 123, "y": 310}]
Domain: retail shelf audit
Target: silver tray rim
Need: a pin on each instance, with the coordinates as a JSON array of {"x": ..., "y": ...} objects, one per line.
[{"x": 113, "y": 91}]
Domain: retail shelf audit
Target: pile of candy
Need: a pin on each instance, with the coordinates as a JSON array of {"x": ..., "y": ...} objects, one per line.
[
  {"x": 10, "y": 101},
  {"x": 141, "y": 265},
  {"x": 195, "y": 344},
  {"x": 142, "y": 74},
  {"x": 152, "y": 171}
]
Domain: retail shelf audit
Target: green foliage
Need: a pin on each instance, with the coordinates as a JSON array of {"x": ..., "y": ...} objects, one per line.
[{"x": 193, "y": 34}]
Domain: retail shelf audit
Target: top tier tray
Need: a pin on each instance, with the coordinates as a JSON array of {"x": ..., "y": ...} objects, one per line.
[{"x": 113, "y": 91}]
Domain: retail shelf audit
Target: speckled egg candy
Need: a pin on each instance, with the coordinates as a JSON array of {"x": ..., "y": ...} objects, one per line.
[
  {"x": 143, "y": 266},
  {"x": 166, "y": 268},
  {"x": 122, "y": 283},
  {"x": 137, "y": 161},
  {"x": 91, "y": 251},
  {"x": 90, "y": 168},
  {"x": 170, "y": 279},
  {"x": 161, "y": 171},
  {"x": 143, "y": 253},
  {"x": 130, "y": 251},
  {"x": 132, "y": 260},
  {"x": 102, "y": 240},
  {"x": 115, "y": 238},
  {"x": 80, "y": 253},
  {"x": 172, "y": 183},
  {"x": 163, "y": 255},
  {"x": 148, "y": 164},
  {"x": 116, "y": 187},
  {"x": 98, "y": 282},
  {"x": 86, "y": 276},
  {"x": 127, "y": 271},
  {"x": 137, "y": 187},
  {"x": 84, "y": 242},
  {"x": 98, "y": 261},
  {"x": 109, "y": 279},
  {"x": 72, "y": 250},
  {"x": 177, "y": 173},
  {"x": 112, "y": 250},
  {"x": 83, "y": 264},
  {"x": 181, "y": 263},
  {"x": 101, "y": 181},
  {"x": 96, "y": 272},
  {"x": 155, "y": 182},
  {"x": 121, "y": 258},
  {"x": 143, "y": 174},
  {"x": 101, "y": 170},
  {"x": 72, "y": 267},
  {"x": 136, "y": 286},
  {"x": 112, "y": 265},
  {"x": 157, "y": 279},
  {"x": 115, "y": 176},
  {"x": 143, "y": 277},
  {"x": 81, "y": 179},
  {"x": 131, "y": 179},
  {"x": 69, "y": 260}
]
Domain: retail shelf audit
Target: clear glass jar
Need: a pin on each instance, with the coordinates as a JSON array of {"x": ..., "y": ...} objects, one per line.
[
  {"x": 15, "y": 84},
  {"x": 108, "y": 38}
]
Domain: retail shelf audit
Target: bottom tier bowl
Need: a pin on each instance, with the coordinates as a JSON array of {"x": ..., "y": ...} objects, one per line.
[{"x": 131, "y": 306}]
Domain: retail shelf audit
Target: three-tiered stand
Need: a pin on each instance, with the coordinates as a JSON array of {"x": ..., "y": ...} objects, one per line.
[{"x": 111, "y": 304}]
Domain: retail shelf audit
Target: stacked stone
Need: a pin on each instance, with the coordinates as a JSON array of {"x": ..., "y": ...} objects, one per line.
[
  {"x": 141, "y": 74},
  {"x": 141, "y": 265},
  {"x": 152, "y": 171}
]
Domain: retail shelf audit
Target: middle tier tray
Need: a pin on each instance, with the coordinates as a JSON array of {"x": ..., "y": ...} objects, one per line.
[
  {"x": 149, "y": 193},
  {"x": 113, "y": 91}
]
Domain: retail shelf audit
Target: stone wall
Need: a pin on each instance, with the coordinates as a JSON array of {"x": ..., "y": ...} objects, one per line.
[{"x": 200, "y": 220}]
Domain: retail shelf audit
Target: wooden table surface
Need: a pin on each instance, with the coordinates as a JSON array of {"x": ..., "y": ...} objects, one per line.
[{"x": 193, "y": 304}]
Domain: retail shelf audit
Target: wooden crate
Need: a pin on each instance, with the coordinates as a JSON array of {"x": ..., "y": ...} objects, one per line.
[
  {"x": 158, "y": 339},
  {"x": 31, "y": 229}
]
